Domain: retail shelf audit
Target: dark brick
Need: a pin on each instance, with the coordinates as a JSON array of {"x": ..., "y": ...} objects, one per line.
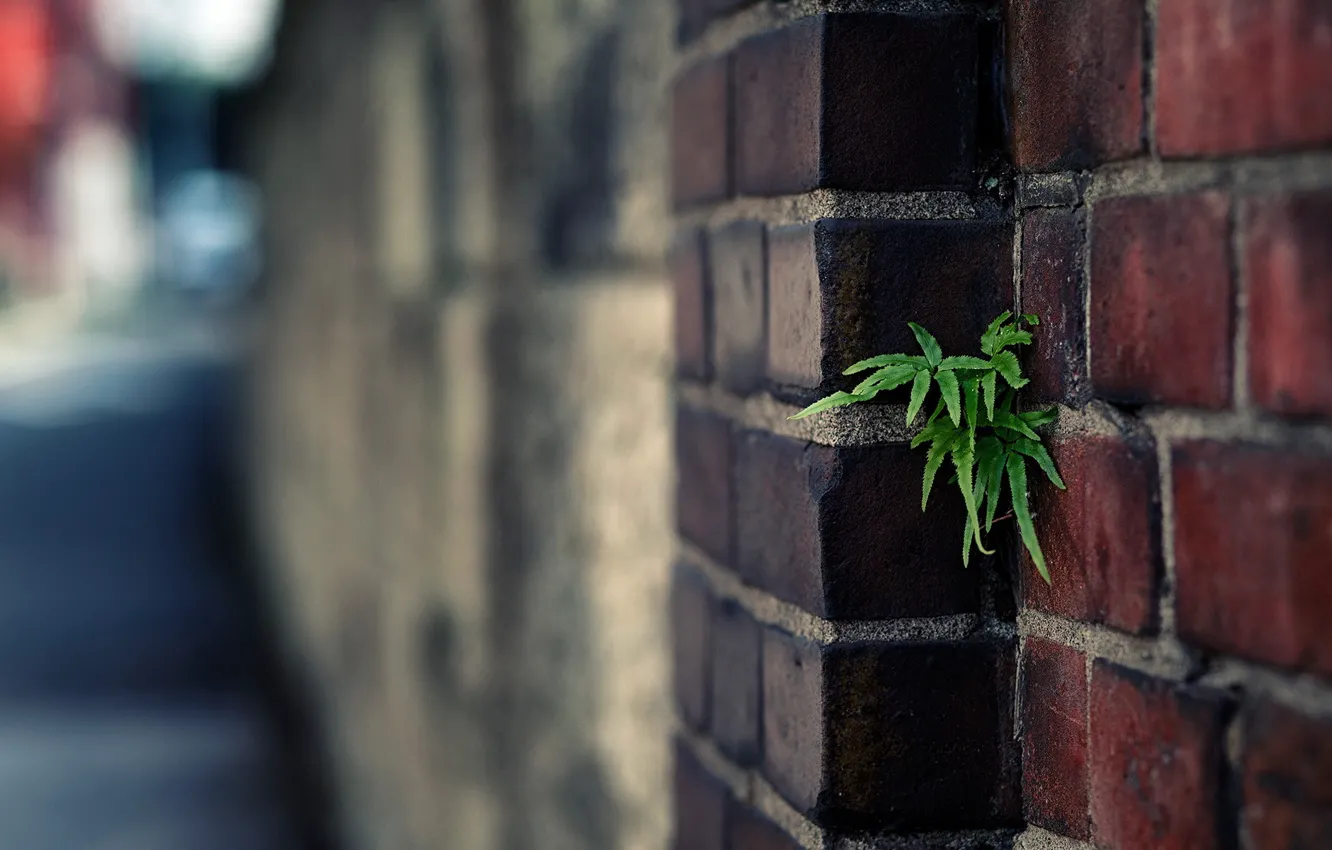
[
  {"x": 1287, "y": 779},
  {"x": 695, "y": 15},
  {"x": 700, "y": 134},
  {"x": 703, "y": 488},
  {"x": 1253, "y": 527},
  {"x": 1101, "y": 535},
  {"x": 746, "y": 829},
  {"x": 738, "y": 260},
  {"x": 691, "y": 630},
  {"x": 1289, "y": 267},
  {"x": 1156, "y": 762},
  {"x": 1162, "y": 300},
  {"x": 736, "y": 713},
  {"x": 1053, "y": 286},
  {"x": 838, "y": 531},
  {"x": 880, "y": 735},
  {"x": 693, "y": 306},
  {"x": 1235, "y": 76},
  {"x": 874, "y": 102},
  {"x": 700, "y": 804},
  {"x": 1054, "y": 738},
  {"x": 845, "y": 289},
  {"x": 1074, "y": 81}
]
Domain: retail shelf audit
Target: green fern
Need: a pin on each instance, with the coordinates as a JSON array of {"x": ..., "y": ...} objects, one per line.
[{"x": 973, "y": 424}]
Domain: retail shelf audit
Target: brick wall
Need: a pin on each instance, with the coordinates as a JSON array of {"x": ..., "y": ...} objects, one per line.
[{"x": 1154, "y": 179}]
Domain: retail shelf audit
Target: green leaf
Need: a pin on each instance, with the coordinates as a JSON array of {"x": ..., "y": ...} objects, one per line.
[
  {"x": 1031, "y": 319},
  {"x": 837, "y": 399},
  {"x": 927, "y": 344},
  {"x": 933, "y": 431},
  {"x": 1037, "y": 418},
  {"x": 977, "y": 493},
  {"x": 919, "y": 388},
  {"x": 938, "y": 409},
  {"x": 987, "y": 384},
  {"x": 963, "y": 460},
  {"x": 993, "y": 470},
  {"x": 887, "y": 360},
  {"x": 933, "y": 460},
  {"x": 1008, "y": 420},
  {"x": 992, "y": 332},
  {"x": 1006, "y": 402},
  {"x": 887, "y": 378},
  {"x": 964, "y": 362},
  {"x": 1037, "y": 452},
  {"x": 1006, "y": 364},
  {"x": 947, "y": 382},
  {"x": 1017, "y": 485},
  {"x": 971, "y": 398},
  {"x": 1011, "y": 336}
]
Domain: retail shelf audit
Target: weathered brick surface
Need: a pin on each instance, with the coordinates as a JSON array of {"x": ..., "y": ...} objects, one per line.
[
  {"x": 738, "y": 259},
  {"x": 1287, "y": 772},
  {"x": 845, "y": 289},
  {"x": 1074, "y": 81},
  {"x": 856, "y": 101},
  {"x": 838, "y": 739},
  {"x": 736, "y": 695},
  {"x": 1100, "y": 536},
  {"x": 1237, "y": 76},
  {"x": 1162, "y": 300},
  {"x": 700, "y": 804},
  {"x": 1288, "y": 261},
  {"x": 1156, "y": 763},
  {"x": 838, "y": 531},
  {"x": 703, "y": 501},
  {"x": 1053, "y": 285},
  {"x": 1054, "y": 738},
  {"x": 748, "y": 830},
  {"x": 692, "y": 645},
  {"x": 693, "y": 306},
  {"x": 695, "y": 15},
  {"x": 700, "y": 134},
  {"x": 1253, "y": 527}
]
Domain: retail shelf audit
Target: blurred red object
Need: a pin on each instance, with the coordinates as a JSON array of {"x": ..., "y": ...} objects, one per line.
[{"x": 26, "y": 72}]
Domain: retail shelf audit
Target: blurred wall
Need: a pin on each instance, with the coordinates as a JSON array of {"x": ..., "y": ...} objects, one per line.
[{"x": 461, "y": 448}]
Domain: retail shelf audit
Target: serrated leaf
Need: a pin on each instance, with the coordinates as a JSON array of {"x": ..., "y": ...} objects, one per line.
[
  {"x": 1037, "y": 452},
  {"x": 939, "y": 408},
  {"x": 1017, "y": 486},
  {"x": 837, "y": 399},
  {"x": 932, "y": 432},
  {"x": 963, "y": 461},
  {"x": 928, "y": 344},
  {"x": 1037, "y": 418},
  {"x": 994, "y": 485},
  {"x": 1011, "y": 336},
  {"x": 886, "y": 360},
  {"x": 966, "y": 543},
  {"x": 971, "y": 402},
  {"x": 887, "y": 378},
  {"x": 919, "y": 388},
  {"x": 933, "y": 460},
  {"x": 948, "y": 388},
  {"x": 1006, "y": 364},
  {"x": 1031, "y": 319},
  {"x": 987, "y": 384},
  {"x": 1008, "y": 420},
  {"x": 963, "y": 361},
  {"x": 1006, "y": 401},
  {"x": 988, "y": 338}
]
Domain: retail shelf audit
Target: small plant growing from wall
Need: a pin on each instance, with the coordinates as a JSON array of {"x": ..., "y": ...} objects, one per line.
[{"x": 974, "y": 423}]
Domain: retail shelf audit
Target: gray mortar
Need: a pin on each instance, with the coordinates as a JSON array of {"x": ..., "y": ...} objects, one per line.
[{"x": 1048, "y": 190}]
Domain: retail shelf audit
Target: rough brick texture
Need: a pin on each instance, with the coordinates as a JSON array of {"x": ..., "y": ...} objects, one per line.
[
  {"x": 693, "y": 306},
  {"x": 747, "y": 830},
  {"x": 700, "y": 804},
  {"x": 701, "y": 134},
  {"x": 1054, "y": 738},
  {"x": 1052, "y": 287},
  {"x": 856, "y": 101},
  {"x": 1236, "y": 76},
  {"x": 703, "y": 489},
  {"x": 1287, "y": 770},
  {"x": 1156, "y": 763},
  {"x": 691, "y": 642},
  {"x": 837, "y": 531},
  {"x": 739, "y": 283},
  {"x": 1253, "y": 527},
  {"x": 1075, "y": 81},
  {"x": 837, "y": 740},
  {"x": 1288, "y": 261},
  {"x": 1162, "y": 300},
  {"x": 736, "y": 666}
]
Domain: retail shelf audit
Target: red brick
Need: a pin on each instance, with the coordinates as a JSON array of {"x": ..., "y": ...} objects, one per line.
[
  {"x": 1053, "y": 287},
  {"x": 693, "y": 306},
  {"x": 738, "y": 260},
  {"x": 737, "y": 642},
  {"x": 1101, "y": 535},
  {"x": 1156, "y": 762},
  {"x": 700, "y": 134},
  {"x": 840, "y": 740},
  {"x": 691, "y": 630},
  {"x": 746, "y": 829},
  {"x": 1237, "y": 76},
  {"x": 1253, "y": 527},
  {"x": 845, "y": 289},
  {"x": 1075, "y": 81},
  {"x": 695, "y": 15},
  {"x": 838, "y": 530},
  {"x": 1162, "y": 300},
  {"x": 1287, "y": 779},
  {"x": 1289, "y": 267},
  {"x": 1054, "y": 738},
  {"x": 700, "y": 804},
  {"x": 703, "y": 486},
  {"x": 857, "y": 101}
]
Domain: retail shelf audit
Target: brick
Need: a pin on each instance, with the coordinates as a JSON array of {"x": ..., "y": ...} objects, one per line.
[
  {"x": 874, "y": 102},
  {"x": 691, "y": 644},
  {"x": 1101, "y": 536},
  {"x": 703, "y": 486},
  {"x": 746, "y": 829},
  {"x": 738, "y": 260},
  {"x": 737, "y": 644},
  {"x": 1288, "y": 262},
  {"x": 695, "y": 15},
  {"x": 1156, "y": 762},
  {"x": 845, "y": 289},
  {"x": 1075, "y": 81},
  {"x": 701, "y": 134},
  {"x": 1054, "y": 738},
  {"x": 839, "y": 742},
  {"x": 1236, "y": 76},
  {"x": 687, "y": 261},
  {"x": 838, "y": 531},
  {"x": 1287, "y": 770},
  {"x": 1162, "y": 300},
  {"x": 1053, "y": 287},
  {"x": 1253, "y": 526},
  {"x": 700, "y": 804}
]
